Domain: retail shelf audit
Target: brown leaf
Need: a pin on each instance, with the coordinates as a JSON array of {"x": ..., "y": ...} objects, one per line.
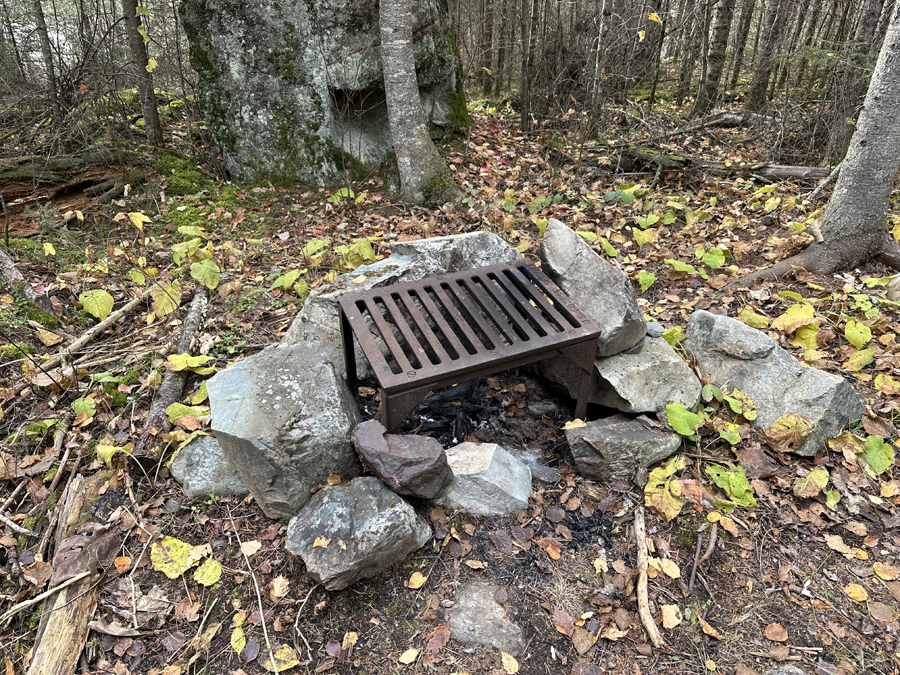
[
  {"x": 551, "y": 546},
  {"x": 709, "y": 630},
  {"x": 38, "y": 574},
  {"x": 437, "y": 638},
  {"x": 501, "y": 596},
  {"x": 582, "y": 639},
  {"x": 563, "y": 622},
  {"x": 503, "y": 542},
  {"x": 779, "y": 653},
  {"x": 776, "y": 632},
  {"x": 881, "y": 612},
  {"x": 475, "y": 564}
]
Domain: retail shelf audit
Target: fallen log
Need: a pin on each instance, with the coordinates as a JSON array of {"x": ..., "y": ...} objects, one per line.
[{"x": 635, "y": 159}]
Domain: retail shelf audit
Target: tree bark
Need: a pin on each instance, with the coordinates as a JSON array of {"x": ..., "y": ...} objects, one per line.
[
  {"x": 853, "y": 228},
  {"x": 487, "y": 50},
  {"x": 47, "y": 55},
  {"x": 143, "y": 79},
  {"x": 743, "y": 32},
  {"x": 715, "y": 59},
  {"x": 424, "y": 176},
  {"x": 756, "y": 96}
]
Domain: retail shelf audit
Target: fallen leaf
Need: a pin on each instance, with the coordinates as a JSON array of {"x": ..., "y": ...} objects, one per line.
[
  {"x": 881, "y": 612},
  {"x": 438, "y": 638},
  {"x": 510, "y": 665},
  {"x": 475, "y": 564},
  {"x": 321, "y": 542},
  {"x": 662, "y": 493},
  {"x": 709, "y": 630},
  {"x": 563, "y": 622},
  {"x": 170, "y": 556},
  {"x": 582, "y": 639},
  {"x": 284, "y": 659},
  {"x": 574, "y": 424},
  {"x": 278, "y": 587},
  {"x": 208, "y": 573},
  {"x": 417, "y": 580},
  {"x": 350, "y": 639},
  {"x": 776, "y": 632},
  {"x": 671, "y": 616},
  {"x": 248, "y": 548},
  {"x": 612, "y": 633},
  {"x": 408, "y": 656},
  {"x": 812, "y": 484},
  {"x": 856, "y": 592},
  {"x": 886, "y": 571}
]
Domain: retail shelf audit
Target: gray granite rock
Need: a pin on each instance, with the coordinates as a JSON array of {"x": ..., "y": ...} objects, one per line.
[
  {"x": 598, "y": 288},
  {"x": 409, "y": 261},
  {"x": 738, "y": 356},
  {"x": 487, "y": 480},
  {"x": 477, "y": 619},
  {"x": 202, "y": 470},
  {"x": 616, "y": 447},
  {"x": 283, "y": 418},
  {"x": 893, "y": 289},
  {"x": 415, "y": 466},
  {"x": 355, "y": 531}
]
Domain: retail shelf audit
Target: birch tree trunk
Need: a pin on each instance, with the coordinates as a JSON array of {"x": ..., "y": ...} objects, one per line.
[
  {"x": 706, "y": 95},
  {"x": 143, "y": 79},
  {"x": 424, "y": 176},
  {"x": 756, "y": 96},
  {"x": 854, "y": 226}
]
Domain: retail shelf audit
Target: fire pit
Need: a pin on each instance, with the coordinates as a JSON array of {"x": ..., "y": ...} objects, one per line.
[{"x": 422, "y": 335}]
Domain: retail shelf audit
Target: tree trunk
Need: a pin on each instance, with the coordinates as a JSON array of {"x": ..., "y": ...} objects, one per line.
[
  {"x": 143, "y": 79},
  {"x": 743, "y": 33},
  {"x": 692, "y": 40},
  {"x": 715, "y": 59},
  {"x": 487, "y": 50},
  {"x": 756, "y": 96},
  {"x": 7, "y": 22},
  {"x": 47, "y": 55},
  {"x": 854, "y": 226},
  {"x": 424, "y": 176}
]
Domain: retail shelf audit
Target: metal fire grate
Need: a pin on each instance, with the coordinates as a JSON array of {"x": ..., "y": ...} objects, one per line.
[{"x": 422, "y": 335}]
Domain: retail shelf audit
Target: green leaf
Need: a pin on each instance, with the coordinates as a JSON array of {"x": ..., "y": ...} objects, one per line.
[
  {"x": 797, "y": 315},
  {"x": 539, "y": 204},
  {"x": 857, "y": 334},
  {"x": 166, "y": 296},
  {"x": 178, "y": 410},
  {"x": 741, "y": 404},
  {"x": 832, "y": 497},
  {"x": 669, "y": 217},
  {"x": 806, "y": 336},
  {"x": 85, "y": 405},
  {"x": 314, "y": 246},
  {"x": 674, "y": 336},
  {"x": 714, "y": 258},
  {"x": 710, "y": 392},
  {"x": 185, "y": 361},
  {"x": 206, "y": 272},
  {"x": 733, "y": 482},
  {"x": 662, "y": 494},
  {"x": 880, "y": 281},
  {"x": 682, "y": 420},
  {"x": 200, "y": 396},
  {"x": 238, "y": 640},
  {"x": 684, "y": 267},
  {"x": 193, "y": 231},
  {"x": 642, "y": 237},
  {"x": 301, "y": 289},
  {"x": 729, "y": 432},
  {"x": 105, "y": 453},
  {"x": 185, "y": 249},
  {"x": 752, "y": 319},
  {"x": 589, "y": 236},
  {"x": 646, "y": 221},
  {"x": 137, "y": 276},
  {"x": 208, "y": 573},
  {"x": 859, "y": 360},
  {"x": 608, "y": 248},
  {"x": 97, "y": 303},
  {"x": 812, "y": 484},
  {"x": 646, "y": 279},
  {"x": 877, "y": 455}
]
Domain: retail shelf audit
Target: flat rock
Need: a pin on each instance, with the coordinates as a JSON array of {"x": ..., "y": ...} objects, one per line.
[
  {"x": 616, "y": 447},
  {"x": 741, "y": 357},
  {"x": 487, "y": 480},
  {"x": 598, "y": 288},
  {"x": 355, "y": 531},
  {"x": 283, "y": 418},
  {"x": 893, "y": 289},
  {"x": 642, "y": 379},
  {"x": 202, "y": 469},
  {"x": 477, "y": 619},
  {"x": 409, "y": 261},
  {"x": 415, "y": 466}
]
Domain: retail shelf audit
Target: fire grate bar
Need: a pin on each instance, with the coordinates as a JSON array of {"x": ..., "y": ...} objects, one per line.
[{"x": 443, "y": 330}]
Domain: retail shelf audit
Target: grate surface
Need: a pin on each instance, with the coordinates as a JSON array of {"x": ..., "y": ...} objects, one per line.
[{"x": 451, "y": 328}]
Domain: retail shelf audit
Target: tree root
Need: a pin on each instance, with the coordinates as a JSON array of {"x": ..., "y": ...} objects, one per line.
[{"x": 835, "y": 256}]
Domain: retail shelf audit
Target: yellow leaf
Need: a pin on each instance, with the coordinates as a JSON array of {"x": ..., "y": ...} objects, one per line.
[
  {"x": 510, "y": 665},
  {"x": 655, "y": 18},
  {"x": 669, "y": 568},
  {"x": 238, "y": 640},
  {"x": 797, "y": 315},
  {"x": 170, "y": 556},
  {"x": 671, "y": 616},
  {"x": 641, "y": 35},
  {"x": 350, "y": 639},
  {"x": 138, "y": 220},
  {"x": 285, "y": 658},
  {"x": 48, "y": 338},
  {"x": 408, "y": 656},
  {"x": 321, "y": 542},
  {"x": 151, "y": 64},
  {"x": 710, "y": 664},
  {"x": 574, "y": 424},
  {"x": 417, "y": 580},
  {"x": 278, "y": 587},
  {"x": 49, "y": 250},
  {"x": 208, "y": 573},
  {"x": 856, "y": 592},
  {"x": 662, "y": 493},
  {"x": 709, "y": 630},
  {"x": 166, "y": 296},
  {"x": 886, "y": 571}
]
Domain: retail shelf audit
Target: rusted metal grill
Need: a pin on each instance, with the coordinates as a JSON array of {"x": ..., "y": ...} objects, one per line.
[{"x": 422, "y": 335}]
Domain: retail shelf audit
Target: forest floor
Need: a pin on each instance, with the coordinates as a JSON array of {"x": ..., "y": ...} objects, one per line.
[{"x": 808, "y": 577}]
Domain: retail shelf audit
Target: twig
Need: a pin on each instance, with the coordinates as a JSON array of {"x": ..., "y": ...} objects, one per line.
[
  {"x": 821, "y": 186},
  {"x": 297, "y": 630},
  {"x": 710, "y": 547},
  {"x": 640, "y": 535},
  {"x": 16, "y": 528},
  {"x": 262, "y": 613},
  {"x": 15, "y": 609},
  {"x": 696, "y": 562},
  {"x": 57, "y": 446},
  {"x": 9, "y": 500}
]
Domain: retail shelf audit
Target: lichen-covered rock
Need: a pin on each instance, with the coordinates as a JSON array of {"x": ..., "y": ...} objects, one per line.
[
  {"x": 415, "y": 466},
  {"x": 741, "y": 357},
  {"x": 292, "y": 91},
  {"x": 202, "y": 469},
  {"x": 355, "y": 531},
  {"x": 283, "y": 418},
  {"x": 478, "y": 619},
  {"x": 409, "y": 261},
  {"x": 616, "y": 447},
  {"x": 487, "y": 480}
]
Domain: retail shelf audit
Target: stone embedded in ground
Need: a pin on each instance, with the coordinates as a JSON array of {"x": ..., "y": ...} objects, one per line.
[
  {"x": 202, "y": 469},
  {"x": 790, "y": 669},
  {"x": 616, "y": 447},
  {"x": 355, "y": 531},
  {"x": 600, "y": 289},
  {"x": 487, "y": 480},
  {"x": 409, "y": 261},
  {"x": 293, "y": 92},
  {"x": 738, "y": 356},
  {"x": 415, "y": 466},
  {"x": 477, "y": 619},
  {"x": 283, "y": 418},
  {"x": 893, "y": 289},
  {"x": 642, "y": 379}
]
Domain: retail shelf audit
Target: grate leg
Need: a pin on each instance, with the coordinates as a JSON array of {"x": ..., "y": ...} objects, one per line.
[
  {"x": 583, "y": 355},
  {"x": 349, "y": 355}
]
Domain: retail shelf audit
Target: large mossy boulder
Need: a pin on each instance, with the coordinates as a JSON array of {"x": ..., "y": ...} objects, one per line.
[{"x": 292, "y": 90}]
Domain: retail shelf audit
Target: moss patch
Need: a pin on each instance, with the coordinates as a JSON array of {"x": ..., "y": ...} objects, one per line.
[{"x": 183, "y": 176}]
